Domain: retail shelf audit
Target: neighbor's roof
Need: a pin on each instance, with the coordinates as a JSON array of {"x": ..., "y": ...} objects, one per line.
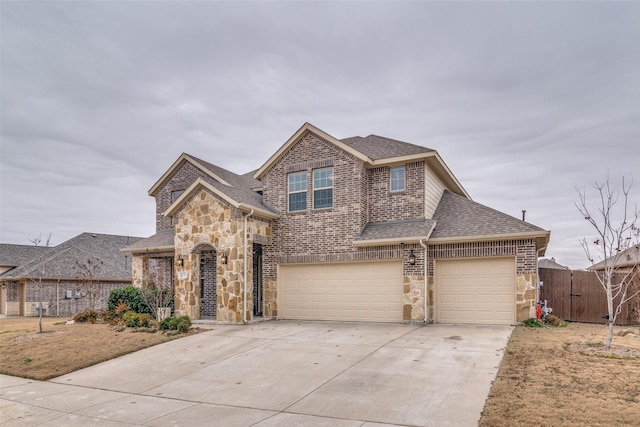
[
  {"x": 16, "y": 255},
  {"x": 626, "y": 258},
  {"x": 551, "y": 263},
  {"x": 460, "y": 219},
  {"x": 160, "y": 242},
  {"x": 392, "y": 232},
  {"x": 64, "y": 261}
]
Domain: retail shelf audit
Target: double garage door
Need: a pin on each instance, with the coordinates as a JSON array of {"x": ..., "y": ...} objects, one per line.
[
  {"x": 365, "y": 291},
  {"x": 478, "y": 291}
]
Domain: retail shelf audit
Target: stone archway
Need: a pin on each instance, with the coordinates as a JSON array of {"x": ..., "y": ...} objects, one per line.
[{"x": 207, "y": 280}]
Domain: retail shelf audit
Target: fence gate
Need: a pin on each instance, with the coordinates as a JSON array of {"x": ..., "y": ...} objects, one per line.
[{"x": 577, "y": 296}]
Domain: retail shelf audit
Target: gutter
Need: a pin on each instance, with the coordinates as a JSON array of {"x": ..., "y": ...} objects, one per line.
[{"x": 244, "y": 265}]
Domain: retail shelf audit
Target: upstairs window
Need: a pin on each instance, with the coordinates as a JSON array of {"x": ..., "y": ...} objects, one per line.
[
  {"x": 323, "y": 188},
  {"x": 297, "y": 191},
  {"x": 175, "y": 195},
  {"x": 397, "y": 179}
]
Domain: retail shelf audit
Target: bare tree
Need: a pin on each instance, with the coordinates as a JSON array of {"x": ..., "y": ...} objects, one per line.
[
  {"x": 616, "y": 226},
  {"x": 157, "y": 290},
  {"x": 39, "y": 266},
  {"x": 87, "y": 271}
]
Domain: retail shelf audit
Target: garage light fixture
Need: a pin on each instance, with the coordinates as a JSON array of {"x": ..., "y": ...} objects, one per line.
[
  {"x": 224, "y": 259},
  {"x": 412, "y": 258},
  {"x": 180, "y": 261}
]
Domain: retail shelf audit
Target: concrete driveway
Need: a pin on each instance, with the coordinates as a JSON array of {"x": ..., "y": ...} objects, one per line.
[{"x": 280, "y": 373}]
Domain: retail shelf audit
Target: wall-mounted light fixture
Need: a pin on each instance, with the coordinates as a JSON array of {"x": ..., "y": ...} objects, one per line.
[
  {"x": 224, "y": 258},
  {"x": 412, "y": 258},
  {"x": 180, "y": 261}
]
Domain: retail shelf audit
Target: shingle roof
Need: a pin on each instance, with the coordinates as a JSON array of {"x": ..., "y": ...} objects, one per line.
[
  {"x": 15, "y": 255},
  {"x": 551, "y": 263},
  {"x": 63, "y": 261},
  {"x": 161, "y": 240},
  {"x": 457, "y": 216},
  {"x": 242, "y": 186},
  {"x": 378, "y": 147},
  {"x": 626, "y": 258},
  {"x": 395, "y": 230}
]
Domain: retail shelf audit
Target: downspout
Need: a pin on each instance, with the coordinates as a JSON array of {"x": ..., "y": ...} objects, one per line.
[
  {"x": 244, "y": 262},
  {"x": 538, "y": 272},
  {"x": 426, "y": 291}
]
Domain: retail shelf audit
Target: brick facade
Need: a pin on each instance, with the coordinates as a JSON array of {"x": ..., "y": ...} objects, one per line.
[
  {"x": 387, "y": 205},
  {"x": 55, "y": 299},
  {"x": 361, "y": 194}
]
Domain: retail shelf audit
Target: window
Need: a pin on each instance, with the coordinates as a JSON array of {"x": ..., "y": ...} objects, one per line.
[
  {"x": 323, "y": 188},
  {"x": 297, "y": 191},
  {"x": 397, "y": 179},
  {"x": 176, "y": 194}
]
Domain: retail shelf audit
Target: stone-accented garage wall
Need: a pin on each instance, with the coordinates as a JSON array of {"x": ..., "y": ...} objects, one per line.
[
  {"x": 206, "y": 221},
  {"x": 526, "y": 271}
]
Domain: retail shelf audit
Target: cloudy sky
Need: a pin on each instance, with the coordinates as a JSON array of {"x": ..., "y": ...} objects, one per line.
[{"x": 523, "y": 101}]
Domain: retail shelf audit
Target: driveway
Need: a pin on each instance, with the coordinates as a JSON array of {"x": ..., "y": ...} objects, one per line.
[{"x": 279, "y": 373}]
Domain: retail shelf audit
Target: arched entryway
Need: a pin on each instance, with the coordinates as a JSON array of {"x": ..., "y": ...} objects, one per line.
[{"x": 207, "y": 280}]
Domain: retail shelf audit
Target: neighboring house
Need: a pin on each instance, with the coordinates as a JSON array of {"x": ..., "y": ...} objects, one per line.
[
  {"x": 622, "y": 262},
  {"x": 366, "y": 229},
  {"x": 73, "y": 276},
  {"x": 551, "y": 263}
]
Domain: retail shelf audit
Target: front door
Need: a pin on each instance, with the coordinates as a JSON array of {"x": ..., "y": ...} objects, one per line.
[
  {"x": 257, "y": 280},
  {"x": 208, "y": 283}
]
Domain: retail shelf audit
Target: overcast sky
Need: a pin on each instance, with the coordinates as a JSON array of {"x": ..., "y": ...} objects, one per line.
[{"x": 523, "y": 101}]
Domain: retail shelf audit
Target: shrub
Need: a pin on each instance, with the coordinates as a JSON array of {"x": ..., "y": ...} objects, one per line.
[
  {"x": 86, "y": 316},
  {"x": 552, "y": 320},
  {"x": 131, "y": 319},
  {"x": 121, "y": 309},
  {"x": 180, "y": 324},
  {"x": 137, "y": 320},
  {"x": 130, "y": 296},
  {"x": 532, "y": 322}
]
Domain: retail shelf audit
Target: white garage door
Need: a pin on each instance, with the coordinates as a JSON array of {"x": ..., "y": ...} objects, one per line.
[
  {"x": 370, "y": 291},
  {"x": 475, "y": 291}
]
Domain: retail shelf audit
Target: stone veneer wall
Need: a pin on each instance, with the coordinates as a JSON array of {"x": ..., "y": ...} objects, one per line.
[{"x": 208, "y": 221}]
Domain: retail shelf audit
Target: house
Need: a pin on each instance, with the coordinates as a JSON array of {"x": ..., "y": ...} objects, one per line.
[
  {"x": 622, "y": 262},
  {"x": 551, "y": 263},
  {"x": 74, "y": 276},
  {"x": 358, "y": 229}
]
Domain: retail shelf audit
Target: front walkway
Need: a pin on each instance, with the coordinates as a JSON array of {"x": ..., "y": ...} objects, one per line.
[{"x": 277, "y": 373}]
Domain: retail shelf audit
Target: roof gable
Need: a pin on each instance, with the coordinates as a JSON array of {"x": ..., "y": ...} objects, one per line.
[
  {"x": 213, "y": 171},
  {"x": 307, "y": 127},
  {"x": 243, "y": 199}
]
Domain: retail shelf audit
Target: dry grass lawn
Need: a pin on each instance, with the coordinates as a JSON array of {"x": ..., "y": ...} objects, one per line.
[
  {"x": 62, "y": 348},
  {"x": 563, "y": 377}
]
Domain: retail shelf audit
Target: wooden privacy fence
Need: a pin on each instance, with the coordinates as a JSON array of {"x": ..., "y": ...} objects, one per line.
[{"x": 577, "y": 296}]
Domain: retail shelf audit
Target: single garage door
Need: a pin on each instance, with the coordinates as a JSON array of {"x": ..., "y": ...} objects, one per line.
[
  {"x": 369, "y": 291},
  {"x": 475, "y": 291}
]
